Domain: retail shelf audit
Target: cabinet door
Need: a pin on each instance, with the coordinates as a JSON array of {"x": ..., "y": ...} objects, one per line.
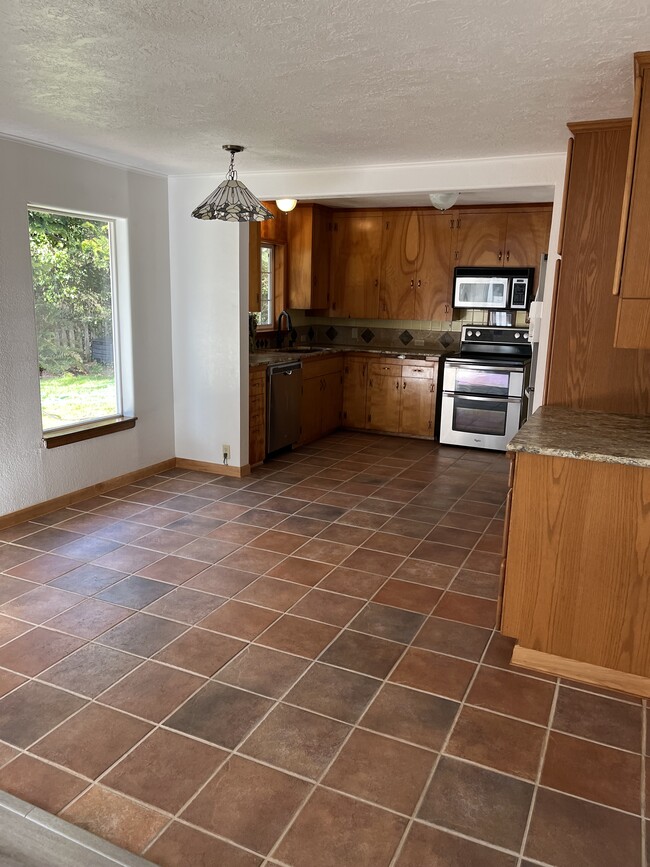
[
  {"x": 355, "y": 264},
  {"x": 254, "y": 269},
  {"x": 311, "y": 409},
  {"x": 383, "y": 402},
  {"x": 257, "y": 417},
  {"x": 417, "y": 407},
  {"x": 434, "y": 275},
  {"x": 527, "y": 238},
  {"x": 274, "y": 231},
  {"x": 481, "y": 239},
  {"x": 308, "y": 274},
  {"x": 399, "y": 257},
  {"x": 355, "y": 381},
  {"x": 332, "y": 401},
  {"x": 320, "y": 289}
]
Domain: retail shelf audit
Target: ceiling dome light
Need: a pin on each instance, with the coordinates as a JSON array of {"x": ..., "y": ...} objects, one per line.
[
  {"x": 232, "y": 201},
  {"x": 442, "y": 201},
  {"x": 286, "y": 204}
]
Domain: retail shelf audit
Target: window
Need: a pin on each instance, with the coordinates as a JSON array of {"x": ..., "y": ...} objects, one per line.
[
  {"x": 266, "y": 316},
  {"x": 76, "y": 313}
]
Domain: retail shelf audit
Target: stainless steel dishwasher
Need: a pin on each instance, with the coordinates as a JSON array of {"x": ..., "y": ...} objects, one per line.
[{"x": 283, "y": 410}]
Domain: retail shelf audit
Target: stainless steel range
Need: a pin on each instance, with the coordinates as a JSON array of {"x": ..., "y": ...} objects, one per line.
[{"x": 485, "y": 388}]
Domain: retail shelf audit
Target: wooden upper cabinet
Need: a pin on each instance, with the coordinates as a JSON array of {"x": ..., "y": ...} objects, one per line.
[
  {"x": 526, "y": 238},
  {"x": 355, "y": 264},
  {"x": 254, "y": 268},
  {"x": 481, "y": 239},
  {"x": 434, "y": 272},
  {"x": 308, "y": 239},
  {"x": 274, "y": 231},
  {"x": 399, "y": 261}
]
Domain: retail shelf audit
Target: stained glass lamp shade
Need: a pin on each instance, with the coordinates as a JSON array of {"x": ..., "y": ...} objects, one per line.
[{"x": 232, "y": 201}]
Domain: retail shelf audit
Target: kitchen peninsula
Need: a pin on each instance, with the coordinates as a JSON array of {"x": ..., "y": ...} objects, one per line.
[{"x": 576, "y": 593}]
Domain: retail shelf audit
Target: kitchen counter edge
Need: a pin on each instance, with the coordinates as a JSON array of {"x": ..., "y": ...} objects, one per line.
[{"x": 263, "y": 359}]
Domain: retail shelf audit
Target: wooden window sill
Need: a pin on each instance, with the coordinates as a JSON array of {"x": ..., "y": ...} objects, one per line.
[{"x": 54, "y": 439}]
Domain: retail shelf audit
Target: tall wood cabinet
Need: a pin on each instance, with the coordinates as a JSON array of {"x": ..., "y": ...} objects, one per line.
[
  {"x": 585, "y": 371},
  {"x": 355, "y": 263},
  {"x": 322, "y": 397},
  {"x": 308, "y": 234}
]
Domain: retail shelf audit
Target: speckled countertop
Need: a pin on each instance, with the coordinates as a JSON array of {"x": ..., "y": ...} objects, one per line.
[
  {"x": 586, "y": 436},
  {"x": 277, "y": 356}
]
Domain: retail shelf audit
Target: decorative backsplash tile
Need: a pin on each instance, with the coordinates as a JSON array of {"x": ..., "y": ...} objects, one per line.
[
  {"x": 406, "y": 337},
  {"x": 331, "y": 332},
  {"x": 367, "y": 335}
]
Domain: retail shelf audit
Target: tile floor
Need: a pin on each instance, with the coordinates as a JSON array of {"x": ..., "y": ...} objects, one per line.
[{"x": 300, "y": 668}]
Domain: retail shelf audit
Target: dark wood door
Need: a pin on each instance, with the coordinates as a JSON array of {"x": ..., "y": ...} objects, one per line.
[{"x": 399, "y": 260}]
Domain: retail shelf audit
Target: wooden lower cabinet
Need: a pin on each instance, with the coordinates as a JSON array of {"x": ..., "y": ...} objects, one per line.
[
  {"x": 576, "y": 594},
  {"x": 257, "y": 416},
  {"x": 417, "y": 406},
  {"x": 355, "y": 384},
  {"x": 322, "y": 397},
  {"x": 383, "y": 398}
]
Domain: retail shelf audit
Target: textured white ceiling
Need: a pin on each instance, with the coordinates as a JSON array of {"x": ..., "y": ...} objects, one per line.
[{"x": 308, "y": 84}]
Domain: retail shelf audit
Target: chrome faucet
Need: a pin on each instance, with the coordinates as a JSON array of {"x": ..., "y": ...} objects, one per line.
[{"x": 289, "y": 328}]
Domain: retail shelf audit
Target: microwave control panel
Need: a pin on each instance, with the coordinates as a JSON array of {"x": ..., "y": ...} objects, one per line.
[{"x": 519, "y": 293}]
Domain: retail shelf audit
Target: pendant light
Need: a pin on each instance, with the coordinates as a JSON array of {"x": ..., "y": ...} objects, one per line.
[
  {"x": 286, "y": 204},
  {"x": 232, "y": 201},
  {"x": 442, "y": 201}
]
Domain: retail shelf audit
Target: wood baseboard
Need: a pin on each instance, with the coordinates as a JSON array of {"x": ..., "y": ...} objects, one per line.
[
  {"x": 35, "y": 511},
  {"x": 214, "y": 468},
  {"x": 560, "y": 666}
]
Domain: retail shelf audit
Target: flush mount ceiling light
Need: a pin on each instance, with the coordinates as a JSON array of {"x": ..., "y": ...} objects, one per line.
[
  {"x": 442, "y": 201},
  {"x": 286, "y": 204},
  {"x": 232, "y": 201}
]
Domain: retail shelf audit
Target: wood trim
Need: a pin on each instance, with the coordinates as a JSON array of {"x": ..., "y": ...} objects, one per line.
[
  {"x": 629, "y": 177},
  {"x": 52, "y": 439},
  {"x": 551, "y": 336},
  {"x": 212, "y": 467},
  {"x": 565, "y": 194},
  {"x": 584, "y": 672},
  {"x": 35, "y": 511},
  {"x": 597, "y": 125}
]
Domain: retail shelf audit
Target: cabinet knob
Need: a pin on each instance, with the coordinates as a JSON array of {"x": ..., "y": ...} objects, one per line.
[
  {"x": 397, "y": 384},
  {"x": 419, "y": 283},
  {"x": 412, "y": 283},
  {"x": 404, "y": 386},
  {"x": 500, "y": 255},
  {"x": 376, "y": 282},
  {"x": 508, "y": 256}
]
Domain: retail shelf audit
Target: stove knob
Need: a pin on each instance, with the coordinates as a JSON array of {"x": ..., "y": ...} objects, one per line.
[
  {"x": 469, "y": 333},
  {"x": 478, "y": 333},
  {"x": 517, "y": 334},
  {"x": 526, "y": 336}
]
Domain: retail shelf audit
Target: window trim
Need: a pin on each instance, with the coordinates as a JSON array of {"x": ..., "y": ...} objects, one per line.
[
  {"x": 102, "y": 425},
  {"x": 272, "y": 247}
]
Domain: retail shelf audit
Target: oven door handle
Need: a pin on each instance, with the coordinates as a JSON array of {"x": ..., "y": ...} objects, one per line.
[
  {"x": 463, "y": 395},
  {"x": 454, "y": 365}
]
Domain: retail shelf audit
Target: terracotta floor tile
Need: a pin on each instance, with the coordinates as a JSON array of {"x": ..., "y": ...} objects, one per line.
[
  {"x": 239, "y": 620},
  {"x": 281, "y": 543},
  {"x": 379, "y": 769},
  {"x": 40, "y": 604},
  {"x": 298, "y": 635},
  {"x": 454, "y": 536},
  {"x": 200, "y": 651},
  {"x": 272, "y": 593},
  {"x": 345, "y": 534},
  {"x": 180, "y": 844},
  {"x": 240, "y": 534},
  {"x": 40, "y": 784},
  {"x": 205, "y": 550},
  {"x": 128, "y": 559},
  {"x": 334, "y": 692},
  {"x": 436, "y": 552},
  {"x": 35, "y": 651},
  {"x": 301, "y": 571},
  {"x": 598, "y": 718},
  {"x": 49, "y": 539},
  {"x": 484, "y": 561},
  {"x": 88, "y": 579},
  {"x": 465, "y": 521},
  {"x": 185, "y": 503},
  {"x": 92, "y": 740},
  {"x": 90, "y": 670},
  {"x": 135, "y": 592},
  {"x": 44, "y": 568},
  {"x": 435, "y": 848},
  {"x": 123, "y": 531},
  {"x": 333, "y": 608},
  {"x": 323, "y": 511},
  {"x": 174, "y": 570},
  {"x": 220, "y": 714},
  {"x": 467, "y": 609},
  {"x": 9, "y": 681},
  {"x": 115, "y": 818},
  {"x": 433, "y": 672},
  {"x": 152, "y": 691},
  {"x": 477, "y": 802},
  {"x": 90, "y": 618},
  {"x": 165, "y": 541},
  {"x": 165, "y": 770},
  {"x": 253, "y": 560},
  {"x": 259, "y": 518},
  {"x": 12, "y": 555},
  {"x": 296, "y": 740},
  {"x": 423, "y": 572},
  {"x": 476, "y": 584},
  {"x": 222, "y": 511},
  {"x": 422, "y": 719},
  {"x": 323, "y": 551},
  {"x": 375, "y": 562},
  {"x": 302, "y": 526},
  {"x": 261, "y": 670},
  {"x": 197, "y": 525},
  {"x": 366, "y": 654},
  {"x": 357, "y": 834},
  {"x": 221, "y": 581},
  {"x": 187, "y": 606},
  {"x": 247, "y": 803},
  {"x": 391, "y": 543},
  {"x": 516, "y": 695},
  {"x": 598, "y": 773},
  {"x": 10, "y": 628},
  {"x": 406, "y": 594},
  {"x": 384, "y": 621},
  {"x": 352, "y": 582},
  {"x": 493, "y": 544},
  {"x": 568, "y": 832},
  {"x": 142, "y": 634},
  {"x": 498, "y": 742},
  {"x": 30, "y": 711},
  {"x": 87, "y": 548},
  {"x": 10, "y": 588}
]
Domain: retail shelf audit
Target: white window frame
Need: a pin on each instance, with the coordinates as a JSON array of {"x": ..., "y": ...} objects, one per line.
[{"x": 268, "y": 326}]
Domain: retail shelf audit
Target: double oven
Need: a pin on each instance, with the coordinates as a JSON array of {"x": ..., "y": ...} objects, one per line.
[{"x": 485, "y": 388}]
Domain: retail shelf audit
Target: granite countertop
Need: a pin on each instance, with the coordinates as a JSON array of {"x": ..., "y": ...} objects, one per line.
[
  {"x": 277, "y": 356},
  {"x": 586, "y": 436}
]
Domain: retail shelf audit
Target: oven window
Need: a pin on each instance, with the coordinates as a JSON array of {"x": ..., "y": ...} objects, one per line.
[
  {"x": 491, "y": 382},
  {"x": 480, "y": 416}
]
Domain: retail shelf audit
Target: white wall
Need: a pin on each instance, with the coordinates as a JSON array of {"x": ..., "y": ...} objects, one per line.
[
  {"x": 34, "y": 175},
  {"x": 209, "y": 292}
]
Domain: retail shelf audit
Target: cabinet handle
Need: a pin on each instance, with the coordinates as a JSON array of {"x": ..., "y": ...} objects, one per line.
[
  {"x": 417, "y": 369},
  {"x": 376, "y": 282},
  {"x": 508, "y": 256},
  {"x": 451, "y": 224},
  {"x": 412, "y": 283},
  {"x": 404, "y": 386},
  {"x": 456, "y": 255},
  {"x": 500, "y": 255},
  {"x": 419, "y": 283},
  {"x": 397, "y": 384}
]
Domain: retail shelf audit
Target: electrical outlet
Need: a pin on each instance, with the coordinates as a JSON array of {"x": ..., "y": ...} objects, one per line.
[{"x": 225, "y": 450}]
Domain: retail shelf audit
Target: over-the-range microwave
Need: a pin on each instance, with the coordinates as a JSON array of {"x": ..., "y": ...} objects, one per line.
[{"x": 493, "y": 288}]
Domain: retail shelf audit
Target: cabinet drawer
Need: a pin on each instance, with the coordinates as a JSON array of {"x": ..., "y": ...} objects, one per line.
[
  {"x": 419, "y": 371},
  {"x": 384, "y": 368},
  {"x": 321, "y": 366}
]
